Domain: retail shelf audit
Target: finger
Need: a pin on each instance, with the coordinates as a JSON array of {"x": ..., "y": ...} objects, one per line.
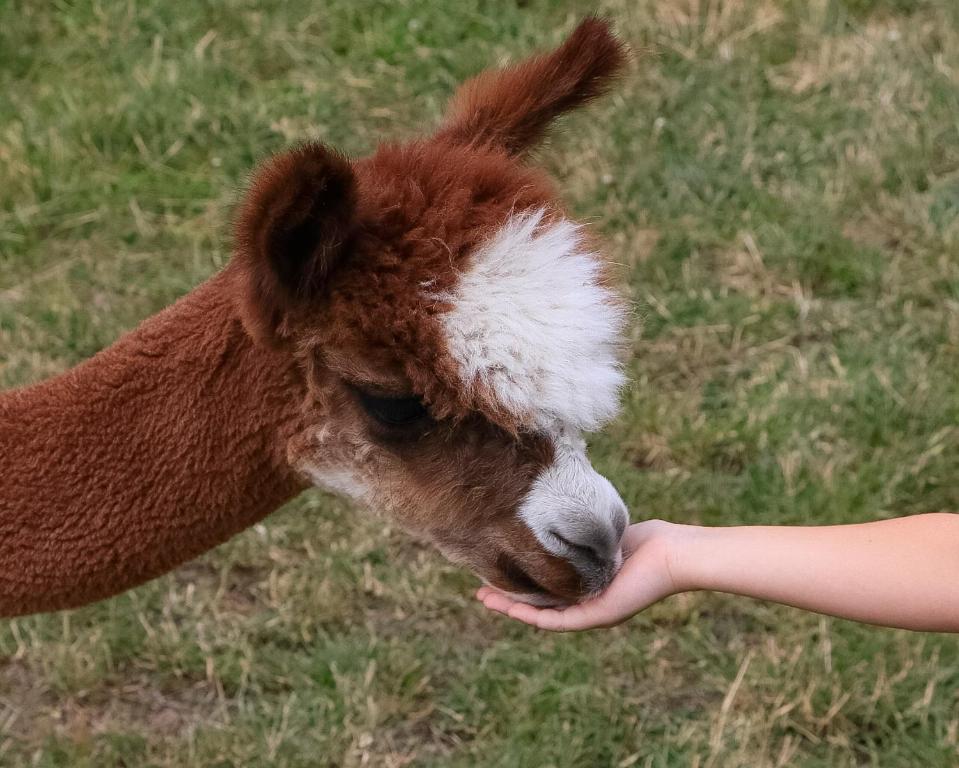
[
  {"x": 572, "y": 619},
  {"x": 497, "y": 601},
  {"x": 576, "y": 618},
  {"x": 482, "y": 592},
  {"x": 586, "y": 616},
  {"x": 528, "y": 614},
  {"x": 544, "y": 618}
]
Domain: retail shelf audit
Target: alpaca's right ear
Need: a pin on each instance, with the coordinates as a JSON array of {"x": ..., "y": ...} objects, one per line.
[
  {"x": 512, "y": 108},
  {"x": 292, "y": 230}
]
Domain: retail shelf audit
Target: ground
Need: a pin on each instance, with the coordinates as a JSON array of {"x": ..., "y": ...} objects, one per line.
[{"x": 779, "y": 182}]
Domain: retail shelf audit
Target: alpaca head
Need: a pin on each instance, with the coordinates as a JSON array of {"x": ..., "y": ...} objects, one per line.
[{"x": 455, "y": 328}]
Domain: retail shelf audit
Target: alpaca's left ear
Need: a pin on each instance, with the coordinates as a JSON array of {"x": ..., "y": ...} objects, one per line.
[
  {"x": 512, "y": 108},
  {"x": 292, "y": 230}
]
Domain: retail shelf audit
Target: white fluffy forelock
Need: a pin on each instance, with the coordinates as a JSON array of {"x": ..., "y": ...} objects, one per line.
[{"x": 532, "y": 324}]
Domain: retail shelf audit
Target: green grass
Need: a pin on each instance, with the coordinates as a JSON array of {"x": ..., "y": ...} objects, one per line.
[{"x": 780, "y": 181}]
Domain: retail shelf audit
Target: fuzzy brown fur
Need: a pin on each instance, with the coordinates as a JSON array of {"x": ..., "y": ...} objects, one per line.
[
  {"x": 151, "y": 452},
  {"x": 213, "y": 413}
]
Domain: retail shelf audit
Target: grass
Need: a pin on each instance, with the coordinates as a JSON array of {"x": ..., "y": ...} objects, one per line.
[{"x": 780, "y": 181}]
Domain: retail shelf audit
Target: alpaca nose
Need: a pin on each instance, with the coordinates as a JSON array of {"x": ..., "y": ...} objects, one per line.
[
  {"x": 577, "y": 515},
  {"x": 592, "y": 543}
]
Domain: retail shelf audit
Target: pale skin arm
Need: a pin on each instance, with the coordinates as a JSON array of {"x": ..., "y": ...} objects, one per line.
[{"x": 896, "y": 573}]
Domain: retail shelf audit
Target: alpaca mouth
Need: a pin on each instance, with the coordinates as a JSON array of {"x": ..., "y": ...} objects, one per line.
[
  {"x": 599, "y": 575},
  {"x": 544, "y": 599},
  {"x": 524, "y": 588},
  {"x": 541, "y": 599},
  {"x": 538, "y": 598}
]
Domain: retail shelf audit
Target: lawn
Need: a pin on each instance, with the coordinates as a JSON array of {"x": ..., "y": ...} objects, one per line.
[{"x": 780, "y": 183}]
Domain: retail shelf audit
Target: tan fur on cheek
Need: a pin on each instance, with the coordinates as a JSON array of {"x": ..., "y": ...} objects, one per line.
[
  {"x": 338, "y": 459},
  {"x": 336, "y": 469},
  {"x": 458, "y": 487},
  {"x": 337, "y": 455}
]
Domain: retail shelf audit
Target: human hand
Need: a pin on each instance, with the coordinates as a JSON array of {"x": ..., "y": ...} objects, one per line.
[{"x": 645, "y": 578}]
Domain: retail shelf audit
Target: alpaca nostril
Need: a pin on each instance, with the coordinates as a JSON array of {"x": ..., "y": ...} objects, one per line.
[
  {"x": 586, "y": 551},
  {"x": 591, "y": 549},
  {"x": 592, "y": 542},
  {"x": 577, "y": 515}
]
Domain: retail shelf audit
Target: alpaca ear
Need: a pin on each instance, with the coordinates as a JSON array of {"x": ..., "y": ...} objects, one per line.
[
  {"x": 292, "y": 230},
  {"x": 512, "y": 108}
]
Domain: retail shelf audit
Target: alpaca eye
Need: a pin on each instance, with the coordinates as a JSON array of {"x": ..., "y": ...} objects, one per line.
[{"x": 393, "y": 411}]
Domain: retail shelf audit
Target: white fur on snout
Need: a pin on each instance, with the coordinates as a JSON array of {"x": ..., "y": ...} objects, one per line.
[
  {"x": 572, "y": 500},
  {"x": 532, "y": 324}
]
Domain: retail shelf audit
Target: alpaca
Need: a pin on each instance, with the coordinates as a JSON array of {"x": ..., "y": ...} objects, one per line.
[{"x": 423, "y": 331}]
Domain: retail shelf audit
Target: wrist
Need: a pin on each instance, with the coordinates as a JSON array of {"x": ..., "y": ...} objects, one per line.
[
  {"x": 712, "y": 557},
  {"x": 681, "y": 554}
]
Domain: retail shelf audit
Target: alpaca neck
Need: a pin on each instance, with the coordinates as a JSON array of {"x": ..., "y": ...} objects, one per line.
[{"x": 153, "y": 451}]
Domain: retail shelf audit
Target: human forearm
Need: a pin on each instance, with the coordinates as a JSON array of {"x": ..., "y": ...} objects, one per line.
[{"x": 902, "y": 572}]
